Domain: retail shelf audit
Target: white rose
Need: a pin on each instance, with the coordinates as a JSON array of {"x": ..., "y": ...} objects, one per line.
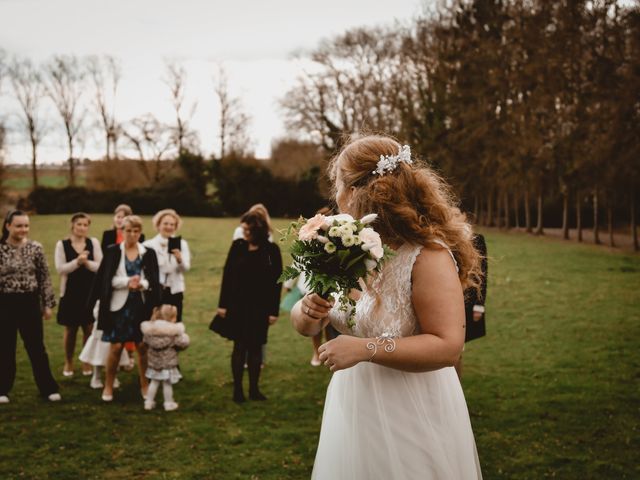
[
  {"x": 322, "y": 239},
  {"x": 370, "y": 239},
  {"x": 377, "y": 252}
]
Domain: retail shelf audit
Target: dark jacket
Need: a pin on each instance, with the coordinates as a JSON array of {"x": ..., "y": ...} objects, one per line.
[
  {"x": 109, "y": 238},
  {"x": 102, "y": 289},
  {"x": 476, "y": 329},
  {"x": 250, "y": 290}
]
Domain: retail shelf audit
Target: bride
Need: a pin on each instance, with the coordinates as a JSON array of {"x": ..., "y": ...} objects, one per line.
[{"x": 394, "y": 407}]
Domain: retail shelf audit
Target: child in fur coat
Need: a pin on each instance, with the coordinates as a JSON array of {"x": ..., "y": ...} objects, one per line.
[{"x": 165, "y": 338}]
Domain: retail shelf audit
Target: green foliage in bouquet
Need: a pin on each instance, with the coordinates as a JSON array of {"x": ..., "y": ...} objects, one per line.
[{"x": 335, "y": 254}]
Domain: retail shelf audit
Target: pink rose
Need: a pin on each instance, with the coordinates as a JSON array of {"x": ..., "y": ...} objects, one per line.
[{"x": 309, "y": 230}]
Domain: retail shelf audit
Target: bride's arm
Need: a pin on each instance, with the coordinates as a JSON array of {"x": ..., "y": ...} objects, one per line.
[
  {"x": 438, "y": 302},
  {"x": 310, "y": 315}
]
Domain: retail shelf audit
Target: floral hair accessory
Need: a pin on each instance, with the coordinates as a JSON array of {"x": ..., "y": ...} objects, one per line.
[{"x": 388, "y": 163}]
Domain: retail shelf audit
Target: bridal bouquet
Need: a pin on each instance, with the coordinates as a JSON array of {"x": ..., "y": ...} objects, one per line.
[{"x": 336, "y": 253}]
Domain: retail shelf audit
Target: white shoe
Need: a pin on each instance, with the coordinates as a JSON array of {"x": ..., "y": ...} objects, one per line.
[
  {"x": 54, "y": 397},
  {"x": 67, "y": 373},
  {"x": 96, "y": 383},
  {"x": 169, "y": 406},
  {"x": 315, "y": 361},
  {"x": 4, "y": 399},
  {"x": 116, "y": 383},
  {"x": 149, "y": 404},
  {"x": 107, "y": 398}
]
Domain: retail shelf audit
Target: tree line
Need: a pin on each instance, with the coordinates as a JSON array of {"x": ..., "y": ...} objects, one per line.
[
  {"x": 519, "y": 103},
  {"x": 80, "y": 95}
]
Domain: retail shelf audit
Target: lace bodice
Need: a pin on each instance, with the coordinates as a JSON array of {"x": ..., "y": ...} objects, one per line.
[{"x": 385, "y": 307}]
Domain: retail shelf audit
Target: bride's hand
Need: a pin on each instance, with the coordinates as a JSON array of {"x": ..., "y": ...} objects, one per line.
[
  {"x": 316, "y": 307},
  {"x": 343, "y": 352}
]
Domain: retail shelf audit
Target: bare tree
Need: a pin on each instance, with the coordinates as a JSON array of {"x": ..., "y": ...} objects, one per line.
[
  {"x": 153, "y": 141},
  {"x": 176, "y": 80},
  {"x": 234, "y": 122},
  {"x": 65, "y": 86},
  {"x": 29, "y": 91},
  {"x": 105, "y": 73}
]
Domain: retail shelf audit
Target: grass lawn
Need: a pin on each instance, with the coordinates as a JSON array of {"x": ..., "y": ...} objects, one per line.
[{"x": 552, "y": 390}]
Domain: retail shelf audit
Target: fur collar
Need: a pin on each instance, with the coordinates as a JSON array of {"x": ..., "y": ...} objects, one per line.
[{"x": 161, "y": 327}]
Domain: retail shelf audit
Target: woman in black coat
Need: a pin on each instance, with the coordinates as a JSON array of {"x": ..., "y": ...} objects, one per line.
[
  {"x": 250, "y": 297},
  {"x": 128, "y": 288}
]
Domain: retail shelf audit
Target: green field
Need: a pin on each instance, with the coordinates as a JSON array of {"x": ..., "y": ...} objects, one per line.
[
  {"x": 19, "y": 180},
  {"x": 552, "y": 390}
]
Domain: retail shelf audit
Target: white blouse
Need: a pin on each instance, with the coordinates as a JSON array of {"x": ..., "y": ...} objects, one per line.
[
  {"x": 64, "y": 268},
  {"x": 171, "y": 272}
]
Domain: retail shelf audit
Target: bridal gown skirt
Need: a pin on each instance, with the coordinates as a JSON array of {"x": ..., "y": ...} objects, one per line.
[{"x": 384, "y": 424}]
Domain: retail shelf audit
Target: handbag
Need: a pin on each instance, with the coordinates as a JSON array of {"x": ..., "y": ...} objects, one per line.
[{"x": 223, "y": 326}]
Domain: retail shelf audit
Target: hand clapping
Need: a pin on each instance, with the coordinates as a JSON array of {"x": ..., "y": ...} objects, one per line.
[{"x": 134, "y": 283}]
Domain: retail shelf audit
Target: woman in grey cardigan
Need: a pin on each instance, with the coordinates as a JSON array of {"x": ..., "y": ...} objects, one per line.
[{"x": 165, "y": 338}]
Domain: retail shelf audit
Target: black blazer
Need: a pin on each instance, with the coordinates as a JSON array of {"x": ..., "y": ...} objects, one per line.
[
  {"x": 102, "y": 289},
  {"x": 109, "y": 238},
  {"x": 476, "y": 329}
]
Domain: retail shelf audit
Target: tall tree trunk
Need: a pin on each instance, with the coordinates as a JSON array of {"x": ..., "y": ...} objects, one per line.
[
  {"x": 539, "y": 227},
  {"x": 507, "y": 220},
  {"x": 72, "y": 171},
  {"x": 596, "y": 227},
  {"x": 610, "y": 221},
  {"x": 516, "y": 207},
  {"x": 34, "y": 167},
  {"x": 499, "y": 213},
  {"x": 490, "y": 209},
  {"x": 634, "y": 226},
  {"x": 579, "y": 216},
  {"x": 108, "y": 147},
  {"x": 527, "y": 212},
  {"x": 565, "y": 214}
]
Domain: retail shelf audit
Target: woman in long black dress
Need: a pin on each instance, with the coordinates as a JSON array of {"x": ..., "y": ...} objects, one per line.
[
  {"x": 77, "y": 258},
  {"x": 128, "y": 287},
  {"x": 250, "y": 296}
]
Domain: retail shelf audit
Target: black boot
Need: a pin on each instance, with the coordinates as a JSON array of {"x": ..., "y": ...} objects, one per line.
[
  {"x": 237, "y": 368},
  {"x": 255, "y": 360}
]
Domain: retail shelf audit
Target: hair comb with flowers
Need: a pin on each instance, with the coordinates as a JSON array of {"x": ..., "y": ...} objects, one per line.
[{"x": 388, "y": 163}]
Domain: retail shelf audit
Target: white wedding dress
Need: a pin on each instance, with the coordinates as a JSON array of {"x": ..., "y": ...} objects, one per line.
[{"x": 385, "y": 424}]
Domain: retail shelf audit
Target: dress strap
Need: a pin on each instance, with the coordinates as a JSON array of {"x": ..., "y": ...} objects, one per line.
[{"x": 444, "y": 245}]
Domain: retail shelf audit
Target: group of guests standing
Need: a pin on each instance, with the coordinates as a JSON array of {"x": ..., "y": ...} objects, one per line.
[{"x": 123, "y": 277}]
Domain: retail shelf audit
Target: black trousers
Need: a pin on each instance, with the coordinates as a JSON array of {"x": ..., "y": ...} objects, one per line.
[
  {"x": 174, "y": 299},
  {"x": 20, "y": 312}
]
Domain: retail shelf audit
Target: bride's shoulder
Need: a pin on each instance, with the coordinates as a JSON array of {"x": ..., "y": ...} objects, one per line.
[{"x": 434, "y": 261}]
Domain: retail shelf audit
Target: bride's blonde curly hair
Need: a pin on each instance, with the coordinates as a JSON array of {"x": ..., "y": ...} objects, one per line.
[{"x": 414, "y": 205}]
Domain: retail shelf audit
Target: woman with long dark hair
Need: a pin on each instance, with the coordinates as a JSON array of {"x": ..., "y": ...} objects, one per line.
[
  {"x": 250, "y": 296},
  {"x": 26, "y": 296}
]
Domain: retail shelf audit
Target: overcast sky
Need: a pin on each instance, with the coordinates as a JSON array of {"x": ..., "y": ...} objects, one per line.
[{"x": 253, "y": 39}]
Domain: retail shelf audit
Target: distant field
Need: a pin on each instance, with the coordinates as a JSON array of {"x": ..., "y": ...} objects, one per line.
[
  {"x": 18, "y": 181},
  {"x": 552, "y": 390}
]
